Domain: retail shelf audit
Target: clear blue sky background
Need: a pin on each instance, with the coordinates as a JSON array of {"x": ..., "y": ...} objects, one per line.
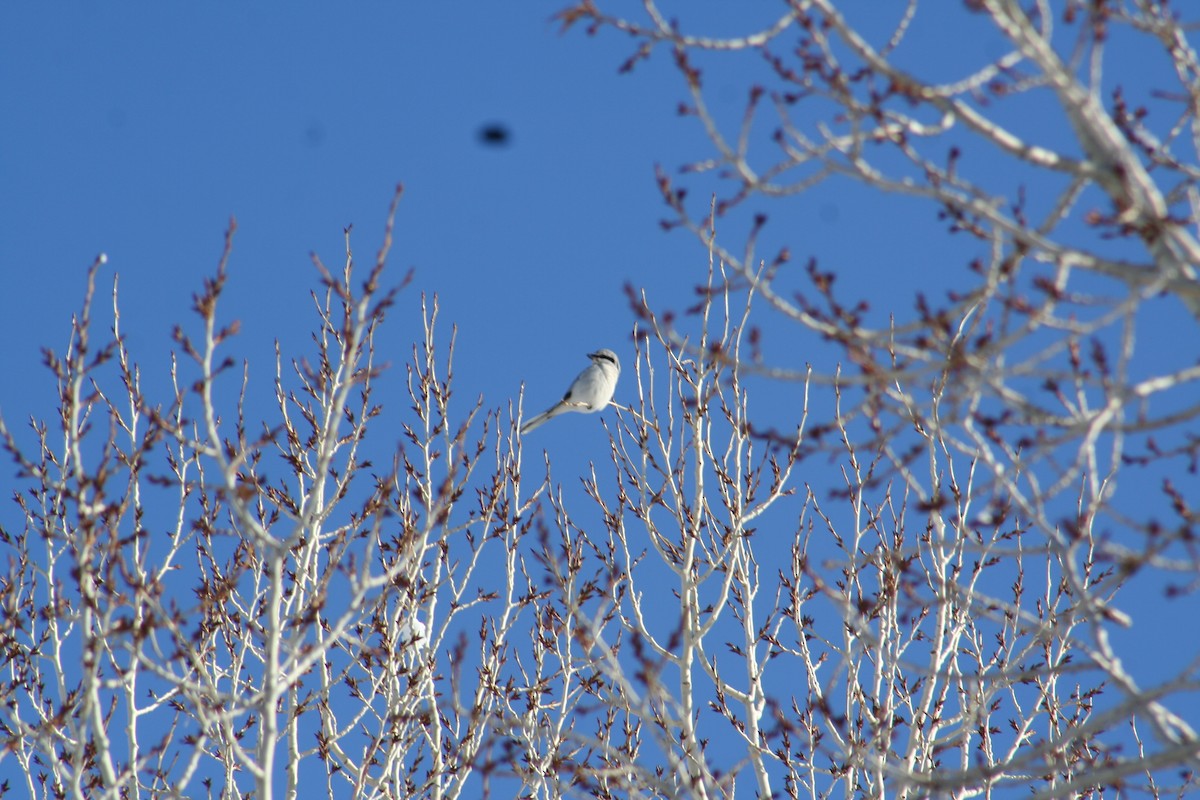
[{"x": 137, "y": 130}]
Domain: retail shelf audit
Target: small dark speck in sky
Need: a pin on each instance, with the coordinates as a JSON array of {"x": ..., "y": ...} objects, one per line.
[{"x": 495, "y": 134}]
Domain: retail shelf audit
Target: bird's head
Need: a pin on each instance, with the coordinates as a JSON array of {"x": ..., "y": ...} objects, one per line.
[{"x": 605, "y": 356}]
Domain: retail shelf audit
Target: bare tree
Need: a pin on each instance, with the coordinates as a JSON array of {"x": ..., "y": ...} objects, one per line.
[
  {"x": 195, "y": 603},
  {"x": 968, "y": 566},
  {"x": 896, "y": 578}
]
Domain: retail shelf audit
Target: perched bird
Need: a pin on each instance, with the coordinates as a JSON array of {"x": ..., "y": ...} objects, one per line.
[{"x": 591, "y": 391}]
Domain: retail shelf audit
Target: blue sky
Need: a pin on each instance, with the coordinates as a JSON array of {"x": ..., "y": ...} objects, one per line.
[{"x": 138, "y": 130}]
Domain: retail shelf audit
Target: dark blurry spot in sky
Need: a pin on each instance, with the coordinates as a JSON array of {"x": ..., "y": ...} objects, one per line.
[{"x": 495, "y": 134}]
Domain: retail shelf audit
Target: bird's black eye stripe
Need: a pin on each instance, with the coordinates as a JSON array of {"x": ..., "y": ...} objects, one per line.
[{"x": 605, "y": 356}]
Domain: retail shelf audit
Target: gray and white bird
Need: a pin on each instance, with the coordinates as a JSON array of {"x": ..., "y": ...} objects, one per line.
[{"x": 591, "y": 391}]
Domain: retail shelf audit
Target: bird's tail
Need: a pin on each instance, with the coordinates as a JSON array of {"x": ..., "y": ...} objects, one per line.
[{"x": 541, "y": 418}]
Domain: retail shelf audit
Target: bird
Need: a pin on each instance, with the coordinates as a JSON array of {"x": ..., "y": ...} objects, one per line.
[{"x": 591, "y": 391}]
